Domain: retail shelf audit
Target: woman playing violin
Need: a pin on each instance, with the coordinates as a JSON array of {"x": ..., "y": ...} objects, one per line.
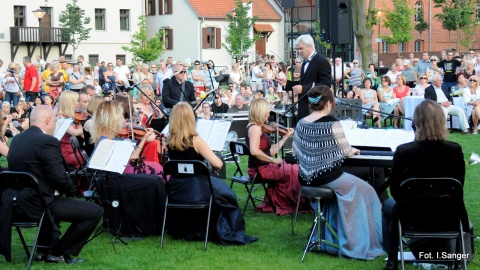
[
  {"x": 109, "y": 121},
  {"x": 67, "y": 104},
  {"x": 285, "y": 187},
  {"x": 88, "y": 126},
  {"x": 145, "y": 106}
]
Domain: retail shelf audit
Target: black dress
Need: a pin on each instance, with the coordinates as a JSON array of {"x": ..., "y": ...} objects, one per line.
[{"x": 227, "y": 223}]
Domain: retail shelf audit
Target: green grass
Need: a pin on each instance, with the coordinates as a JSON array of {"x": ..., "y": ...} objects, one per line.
[{"x": 276, "y": 248}]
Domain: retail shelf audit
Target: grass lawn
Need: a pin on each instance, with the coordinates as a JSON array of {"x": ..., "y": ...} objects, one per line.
[{"x": 276, "y": 248}]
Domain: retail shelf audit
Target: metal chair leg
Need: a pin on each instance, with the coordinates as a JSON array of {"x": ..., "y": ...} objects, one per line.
[
  {"x": 208, "y": 224},
  {"x": 294, "y": 220},
  {"x": 401, "y": 245},
  {"x": 315, "y": 226},
  {"x": 164, "y": 221}
]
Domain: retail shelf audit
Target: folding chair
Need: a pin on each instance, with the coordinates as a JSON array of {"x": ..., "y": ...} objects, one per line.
[
  {"x": 20, "y": 181},
  {"x": 241, "y": 149},
  {"x": 431, "y": 208},
  {"x": 198, "y": 171},
  {"x": 82, "y": 171}
]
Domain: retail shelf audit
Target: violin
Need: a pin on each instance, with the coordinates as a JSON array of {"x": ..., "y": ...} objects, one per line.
[
  {"x": 138, "y": 132},
  {"x": 272, "y": 128},
  {"x": 80, "y": 116}
]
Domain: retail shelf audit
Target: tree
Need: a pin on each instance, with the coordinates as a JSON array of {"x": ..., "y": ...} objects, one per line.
[
  {"x": 455, "y": 15},
  {"x": 421, "y": 25},
  {"x": 470, "y": 26},
  {"x": 237, "y": 39},
  {"x": 399, "y": 20},
  {"x": 363, "y": 21},
  {"x": 143, "y": 49},
  {"x": 318, "y": 40},
  {"x": 74, "y": 22}
]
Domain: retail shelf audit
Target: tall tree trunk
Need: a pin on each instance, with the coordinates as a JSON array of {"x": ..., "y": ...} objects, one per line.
[
  {"x": 449, "y": 39},
  {"x": 363, "y": 34},
  {"x": 458, "y": 38}
]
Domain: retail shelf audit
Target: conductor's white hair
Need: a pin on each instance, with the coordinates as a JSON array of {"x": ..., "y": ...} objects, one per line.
[{"x": 305, "y": 39}]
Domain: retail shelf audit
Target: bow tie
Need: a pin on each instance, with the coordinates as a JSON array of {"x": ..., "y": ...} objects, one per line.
[{"x": 306, "y": 61}]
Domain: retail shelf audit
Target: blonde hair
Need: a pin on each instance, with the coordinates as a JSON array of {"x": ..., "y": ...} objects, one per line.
[
  {"x": 93, "y": 104},
  {"x": 259, "y": 108},
  {"x": 66, "y": 104},
  {"x": 430, "y": 122},
  {"x": 145, "y": 88},
  {"x": 108, "y": 120},
  {"x": 476, "y": 78},
  {"x": 182, "y": 127},
  {"x": 404, "y": 79},
  {"x": 23, "y": 104},
  {"x": 14, "y": 66}
]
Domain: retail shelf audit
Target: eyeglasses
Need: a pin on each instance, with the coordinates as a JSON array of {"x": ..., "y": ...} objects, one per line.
[
  {"x": 434, "y": 60},
  {"x": 473, "y": 80},
  {"x": 355, "y": 63},
  {"x": 153, "y": 67},
  {"x": 472, "y": 53},
  {"x": 109, "y": 66},
  {"x": 217, "y": 97},
  {"x": 183, "y": 72},
  {"x": 423, "y": 78},
  {"x": 197, "y": 64}
]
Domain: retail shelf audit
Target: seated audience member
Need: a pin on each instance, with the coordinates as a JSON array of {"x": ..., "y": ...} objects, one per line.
[
  {"x": 472, "y": 101},
  {"x": 228, "y": 225},
  {"x": 8, "y": 129},
  {"x": 238, "y": 106},
  {"x": 430, "y": 155},
  {"x": 43, "y": 158},
  {"x": 419, "y": 89},
  {"x": 272, "y": 98},
  {"x": 440, "y": 94},
  {"x": 218, "y": 106},
  {"x": 388, "y": 99},
  {"x": 284, "y": 185},
  {"x": 21, "y": 115},
  {"x": 401, "y": 91},
  {"x": 206, "y": 111},
  {"x": 321, "y": 147},
  {"x": 370, "y": 101}
]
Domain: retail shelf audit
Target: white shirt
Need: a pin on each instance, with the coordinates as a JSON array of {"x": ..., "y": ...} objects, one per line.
[
  {"x": 122, "y": 74},
  {"x": 256, "y": 70},
  {"x": 309, "y": 59},
  {"x": 160, "y": 77},
  {"x": 440, "y": 95}
]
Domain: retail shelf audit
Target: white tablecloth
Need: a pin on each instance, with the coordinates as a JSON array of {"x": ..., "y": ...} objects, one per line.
[{"x": 410, "y": 103}]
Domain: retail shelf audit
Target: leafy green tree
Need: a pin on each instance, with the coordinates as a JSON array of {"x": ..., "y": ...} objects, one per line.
[
  {"x": 364, "y": 18},
  {"x": 318, "y": 40},
  {"x": 237, "y": 39},
  {"x": 74, "y": 22},
  {"x": 143, "y": 49},
  {"x": 399, "y": 20},
  {"x": 471, "y": 23},
  {"x": 421, "y": 25},
  {"x": 454, "y": 16}
]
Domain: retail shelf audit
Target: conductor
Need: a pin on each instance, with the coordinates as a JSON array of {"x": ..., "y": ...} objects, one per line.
[{"x": 315, "y": 70}]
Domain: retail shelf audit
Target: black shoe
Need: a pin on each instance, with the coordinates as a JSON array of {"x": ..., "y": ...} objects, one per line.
[
  {"x": 375, "y": 120},
  {"x": 390, "y": 265},
  {"x": 70, "y": 260},
  {"x": 54, "y": 259},
  {"x": 39, "y": 256}
]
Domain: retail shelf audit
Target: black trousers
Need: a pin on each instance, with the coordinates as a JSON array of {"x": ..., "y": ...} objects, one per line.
[{"x": 83, "y": 216}]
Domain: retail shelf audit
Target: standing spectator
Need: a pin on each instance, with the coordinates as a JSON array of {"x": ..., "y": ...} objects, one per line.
[
  {"x": 96, "y": 71},
  {"x": 421, "y": 67},
  {"x": 338, "y": 72},
  {"x": 268, "y": 76},
  {"x": 101, "y": 71},
  {"x": 197, "y": 76},
  {"x": 88, "y": 76},
  {"x": 296, "y": 70},
  {"x": 12, "y": 91},
  {"x": 449, "y": 67},
  {"x": 169, "y": 63},
  {"x": 40, "y": 63},
  {"x": 207, "y": 79},
  {"x": 76, "y": 78},
  {"x": 433, "y": 69},
  {"x": 213, "y": 73},
  {"x": 409, "y": 73},
  {"x": 236, "y": 77},
  {"x": 162, "y": 74},
  {"x": 82, "y": 63},
  {"x": 153, "y": 71},
  {"x": 55, "y": 80},
  {"x": 31, "y": 81},
  {"x": 257, "y": 75},
  {"x": 44, "y": 77},
  {"x": 123, "y": 74}
]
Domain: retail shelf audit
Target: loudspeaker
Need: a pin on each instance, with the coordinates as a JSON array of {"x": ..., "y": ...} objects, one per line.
[
  {"x": 325, "y": 21},
  {"x": 288, "y": 3},
  {"x": 340, "y": 22}
]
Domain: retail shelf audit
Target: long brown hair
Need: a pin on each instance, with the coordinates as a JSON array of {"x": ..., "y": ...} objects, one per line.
[
  {"x": 182, "y": 127},
  {"x": 430, "y": 122}
]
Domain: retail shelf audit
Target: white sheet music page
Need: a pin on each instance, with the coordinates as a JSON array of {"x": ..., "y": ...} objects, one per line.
[
  {"x": 61, "y": 126},
  {"x": 218, "y": 134},
  {"x": 102, "y": 154},
  {"x": 204, "y": 127},
  {"x": 391, "y": 138},
  {"x": 120, "y": 156},
  {"x": 166, "y": 130}
]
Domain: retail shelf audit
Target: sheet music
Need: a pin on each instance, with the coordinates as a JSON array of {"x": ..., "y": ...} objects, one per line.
[
  {"x": 61, "y": 126},
  {"x": 112, "y": 155},
  {"x": 204, "y": 128},
  {"x": 216, "y": 139}
]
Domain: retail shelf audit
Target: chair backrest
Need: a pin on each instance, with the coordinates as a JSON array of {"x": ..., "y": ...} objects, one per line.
[
  {"x": 19, "y": 181},
  {"x": 242, "y": 149},
  {"x": 431, "y": 204},
  {"x": 187, "y": 168},
  {"x": 77, "y": 151}
]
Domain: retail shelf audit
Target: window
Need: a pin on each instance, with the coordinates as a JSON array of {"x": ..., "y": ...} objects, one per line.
[
  {"x": 385, "y": 47},
  {"x": 211, "y": 38},
  {"x": 418, "y": 9},
  {"x": 68, "y": 57},
  {"x": 124, "y": 19},
  {"x": 418, "y": 45},
  {"x": 122, "y": 57},
  {"x": 402, "y": 47},
  {"x": 19, "y": 16},
  {"x": 99, "y": 19},
  {"x": 150, "y": 7},
  {"x": 168, "y": 38},
  {"x": 165, "y": 7},
  {"x": 93, "y": 59}
]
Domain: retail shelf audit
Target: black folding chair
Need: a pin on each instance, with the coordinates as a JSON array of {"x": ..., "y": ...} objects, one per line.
[
  {"x": 20, "y": 181},
  {"x": 82, "y": 172},
  {"x": 241, "y": 149},
  {"x": 432, "y": 208},
  {"x": 187, "y": 168}
]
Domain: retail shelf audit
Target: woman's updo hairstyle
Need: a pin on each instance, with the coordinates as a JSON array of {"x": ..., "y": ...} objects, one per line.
[{"x": 319, "y": 96}]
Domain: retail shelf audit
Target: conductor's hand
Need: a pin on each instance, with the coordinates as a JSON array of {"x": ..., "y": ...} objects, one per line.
[
  {"x": 282, "y": 81},
  {"x": 297, "y": 89}
]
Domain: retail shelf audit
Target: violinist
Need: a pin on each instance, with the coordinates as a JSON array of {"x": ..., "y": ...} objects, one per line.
[
  {"x": 285, "y": 187},
  {"x": 109, "y": 121},
  {"x": 67, "y": 104},
  {"x": 146, "y": 108},
  {"x": 88, "y": 126}
]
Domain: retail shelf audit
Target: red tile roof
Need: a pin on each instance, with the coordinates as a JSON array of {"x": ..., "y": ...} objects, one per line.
[
  {"x": 219, "y": 8},
  {"x": 263, "y": 27}
]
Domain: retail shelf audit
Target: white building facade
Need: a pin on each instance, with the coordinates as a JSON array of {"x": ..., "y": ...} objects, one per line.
[{"x": 112, "y": 22}]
